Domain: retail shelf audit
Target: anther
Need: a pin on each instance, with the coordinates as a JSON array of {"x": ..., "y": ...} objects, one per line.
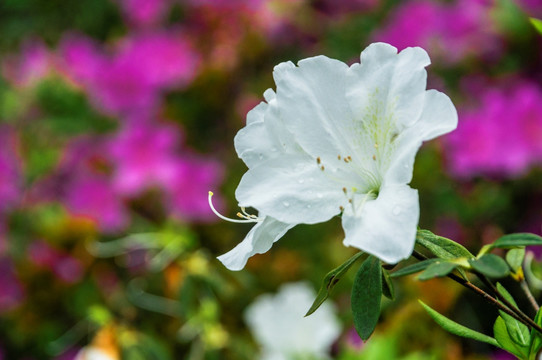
[
  {"x": 339, "y": 157},
  {"x": 374, "y": 157},
  {"x": 349, "y": 158},
  {"x": 341, "y": 208},
  {"x": 376, "y": 145},
  {"x": 322, "y": 167},
  {"x": 344, "y": 190},
  {"x": 318, "y": 161}
]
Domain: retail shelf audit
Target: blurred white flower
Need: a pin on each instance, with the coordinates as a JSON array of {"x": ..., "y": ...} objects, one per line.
[
  {"x": 93, "y": 353},
  {"x": 336, "y": 140},
  {"x": 278, "y": 324}
]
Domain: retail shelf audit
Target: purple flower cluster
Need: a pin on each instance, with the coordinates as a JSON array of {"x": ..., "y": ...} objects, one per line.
[
  {"x": 502, "y": 135},
  {"x": 449, "y": 32}
]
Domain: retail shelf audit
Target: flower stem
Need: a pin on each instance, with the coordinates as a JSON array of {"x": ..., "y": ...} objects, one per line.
[
  {"x": 507, "y": 308},
  {"x": 529, "y": 294}
]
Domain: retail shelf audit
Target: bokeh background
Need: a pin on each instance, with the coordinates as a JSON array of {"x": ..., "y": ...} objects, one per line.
[{"x": 118, "y": 116}]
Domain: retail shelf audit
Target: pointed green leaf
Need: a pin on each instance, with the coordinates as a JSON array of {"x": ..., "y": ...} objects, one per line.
[
  {"x": 366, "y": 296},
  {"x": 491, "y": 265},
  {"x": 457, "y": 329},
  {"x": 441, "y": 247},
  {"x": 514, "y": 258},
  {"x": 438, "y": 269},
  {"x": 517, "y": 240},
  {"x": 537, "y": 24},
  {"x": 330, "y": 280},
  {"x": 387, "y": 285},
  {"x": 501, "y": 335},
  {"x": 414, "y": 268},
  {"x": 536, "y": 337},
  {"x": 519, "y": 332}
]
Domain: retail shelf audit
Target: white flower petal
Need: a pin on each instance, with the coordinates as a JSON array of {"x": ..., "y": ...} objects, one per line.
[
  {"x": 311, "y": 97},
  {"x": 439, "y": 116},
  {"x": 292, "y": 189},
  {"x": 385, "y": 227},
  {"x": 278, "y": 323},
  {"x": 258, "y": 241},
  {"x": 253, "y": 143},
  {"x": 388, "y": 84}
]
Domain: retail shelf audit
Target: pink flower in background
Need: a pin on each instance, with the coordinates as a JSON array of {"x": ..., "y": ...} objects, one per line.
[
  {"x": 194, "y": 177},
  {"x": 64, "y": 266},
  {"x": 450, "y": 31},
  {"x": 502, "y": 136},
  {"x": 10, "y": 170},
  {"x": 30, "y": 66},
  {"x": 145, "y": 13},
  {"x": 82, "y": 184},
  {"x": 11, "y": 291},
  {"x": 144, "y": 156},
  {"x": 132, "y": 78}
]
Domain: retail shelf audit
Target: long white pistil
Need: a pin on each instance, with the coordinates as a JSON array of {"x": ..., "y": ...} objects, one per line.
[{"x": 246, "y": 217}]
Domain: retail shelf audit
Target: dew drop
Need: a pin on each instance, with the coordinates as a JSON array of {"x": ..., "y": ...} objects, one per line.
[
  {"x": 285, "y": 203},
  {"x": 396, "y": 210}
]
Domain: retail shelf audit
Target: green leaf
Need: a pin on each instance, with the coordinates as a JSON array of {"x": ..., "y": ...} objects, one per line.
[
  {"x": 536, "y": 337},
  {"x": 517, "y": 240},
  {"x": 519, "y": 332},
  {"x": 514, "y": 258},
  {"x": 366, "y": 296},
  {"x": 537, "y": 24},
  {"x": 387, "y": 285},
  {"x": 503, "y": 338},
  {"x": 414, "y": 268},
  {"x": 438, "y": 269},
  {"x": 330, "y": 280},
  {"x": 441, "y": 247},
  {"x": 491, "y": 265},
  {"x": 457, "y": 329}
]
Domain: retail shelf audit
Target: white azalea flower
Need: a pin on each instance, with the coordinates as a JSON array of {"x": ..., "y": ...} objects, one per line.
[
  {"x": 93, "y": 353},
  {"x": 334, "y": 140},
  {"x": 278, "y": 324}
]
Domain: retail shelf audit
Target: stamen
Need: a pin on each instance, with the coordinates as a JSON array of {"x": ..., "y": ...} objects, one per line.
[
  {"x": 322, "y": 167},
  {"x": 339, "y": 157},
  {"x": 247, "y": 218},
  {"x": 318, "y": 160},
  {"x": 374, "y": 157}
]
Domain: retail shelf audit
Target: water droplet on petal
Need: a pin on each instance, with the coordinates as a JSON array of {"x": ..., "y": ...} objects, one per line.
[
  {"x": 319, "y": 196},
  {"x": 301, "y": 181},
  {"x": 309, "y": 206},
  {"x": 396, "y": 210},
  {"x": 285, "y": 203}
]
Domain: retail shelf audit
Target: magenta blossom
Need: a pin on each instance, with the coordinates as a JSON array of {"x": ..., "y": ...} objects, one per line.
[
  {"x": 150, "y": 156},
  {"x": 63, "y": 265},
  {"x": 500, "y": 137},
  {"x": 144, "y": 156},
  {"x": 83, "y": 185},
  {"x": 144, "y": 13},
  {"x": 450, "y": 31},
  {"x": 30, "y": 66},
  {"x": 132, "y": 78},
  {"x": 11, "y": 291},
  {"x": 194, "y": 177},
  {"x": 10, "y": 170}
]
